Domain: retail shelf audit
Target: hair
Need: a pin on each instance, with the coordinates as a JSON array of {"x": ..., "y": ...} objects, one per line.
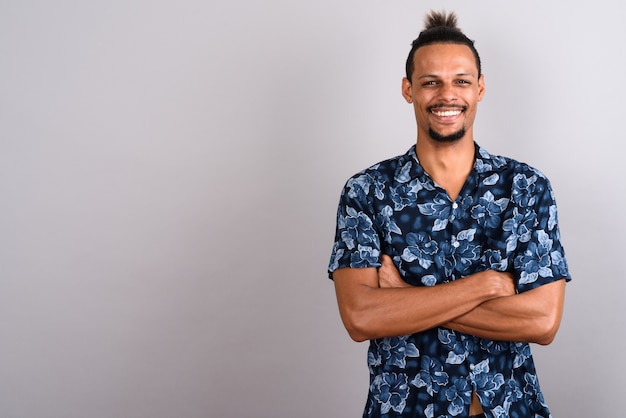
[{"x": 440, "y": 28}]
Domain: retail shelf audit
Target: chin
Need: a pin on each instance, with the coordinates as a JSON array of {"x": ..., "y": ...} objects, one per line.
[{"x": 453, "y": 137}]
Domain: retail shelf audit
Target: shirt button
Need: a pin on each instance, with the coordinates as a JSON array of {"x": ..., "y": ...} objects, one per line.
[
  {"x": 456, "y": 244},
  {"x": 455, "y": 205}
]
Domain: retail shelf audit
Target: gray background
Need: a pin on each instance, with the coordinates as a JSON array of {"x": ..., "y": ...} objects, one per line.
[{"x": 169, "y": 174}]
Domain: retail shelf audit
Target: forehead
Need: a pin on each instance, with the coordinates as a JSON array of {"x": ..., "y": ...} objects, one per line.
[{"x": 443, "y": 59}]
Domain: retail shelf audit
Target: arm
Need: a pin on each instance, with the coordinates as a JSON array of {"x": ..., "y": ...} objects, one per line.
[
  {"x": 369, "y": 311},
  {"x": 532, "y": 316}
]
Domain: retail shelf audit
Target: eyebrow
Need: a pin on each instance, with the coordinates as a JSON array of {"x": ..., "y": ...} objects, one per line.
[{"x": 436, "y": 76}]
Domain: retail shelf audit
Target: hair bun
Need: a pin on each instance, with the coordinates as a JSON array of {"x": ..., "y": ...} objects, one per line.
[{"x": 439, "y": 19}]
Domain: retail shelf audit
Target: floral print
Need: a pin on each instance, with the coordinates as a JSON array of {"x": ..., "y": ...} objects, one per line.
[{"x": 505, "y": 219}]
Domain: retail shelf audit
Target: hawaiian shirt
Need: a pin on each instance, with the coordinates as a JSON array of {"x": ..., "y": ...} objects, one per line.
[{"x": 505, "y": 219}]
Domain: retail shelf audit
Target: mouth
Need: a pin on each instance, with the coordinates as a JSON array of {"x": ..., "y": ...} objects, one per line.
[{"x": 444, "y": 112}]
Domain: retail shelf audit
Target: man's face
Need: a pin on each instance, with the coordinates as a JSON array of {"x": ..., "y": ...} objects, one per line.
[{"x": 445, "y": 90}]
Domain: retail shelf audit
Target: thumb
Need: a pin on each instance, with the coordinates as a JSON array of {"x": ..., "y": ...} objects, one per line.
[{"x": 386, "y": 261}]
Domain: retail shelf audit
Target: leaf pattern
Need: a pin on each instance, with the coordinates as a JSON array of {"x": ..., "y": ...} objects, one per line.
[{"x": 505, "y": 219}]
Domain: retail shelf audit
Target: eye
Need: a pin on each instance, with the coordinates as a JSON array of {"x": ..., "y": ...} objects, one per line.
[
  {"x": 429, "y": 83},
  {"x": 464, "y": 82}
]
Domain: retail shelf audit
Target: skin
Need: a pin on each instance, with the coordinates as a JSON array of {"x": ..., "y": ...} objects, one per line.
[
  {"x": 445, "y": 77},
  {"x": 519, "y": 317},
  {"x": 376, "y": 303}
]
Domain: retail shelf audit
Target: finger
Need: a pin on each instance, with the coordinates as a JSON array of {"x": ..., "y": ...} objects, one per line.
[{"x": 386, "y": 260}]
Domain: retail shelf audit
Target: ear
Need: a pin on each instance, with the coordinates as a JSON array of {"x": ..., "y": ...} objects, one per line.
[
  {"x": 481, "y": 87},
  {"x": 407, "y": 90}
]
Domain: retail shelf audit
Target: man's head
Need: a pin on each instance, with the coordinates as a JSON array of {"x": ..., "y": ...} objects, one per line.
[
  {"x": 444, "y": 81},
  {"x": 440, "y": 28}
]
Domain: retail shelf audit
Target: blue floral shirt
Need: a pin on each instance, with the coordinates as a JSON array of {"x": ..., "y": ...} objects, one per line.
[{"x": 505, "y": 219}]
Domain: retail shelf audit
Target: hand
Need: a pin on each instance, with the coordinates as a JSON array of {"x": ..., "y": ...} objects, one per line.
[
  {"x": 388, "y": 274},
  {"x": 502, "y": 283}
]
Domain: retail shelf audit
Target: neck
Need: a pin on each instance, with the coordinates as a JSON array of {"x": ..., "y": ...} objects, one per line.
[{"x": 447, "y": 163}]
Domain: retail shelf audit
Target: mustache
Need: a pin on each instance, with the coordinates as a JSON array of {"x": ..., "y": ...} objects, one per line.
[{"x": 445, "y": 106}]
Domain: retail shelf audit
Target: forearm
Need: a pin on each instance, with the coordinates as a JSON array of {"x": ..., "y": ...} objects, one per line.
[
  {"x": 369, "y": 311},
  {"x": 382, "y": 313},
  {"x": 533, "y": 316}
]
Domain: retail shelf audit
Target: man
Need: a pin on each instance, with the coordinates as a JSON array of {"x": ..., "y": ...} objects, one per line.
[{"x": 447, "y": 258}]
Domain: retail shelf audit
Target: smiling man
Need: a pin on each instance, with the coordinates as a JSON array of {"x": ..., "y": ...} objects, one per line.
[{"x": 448, "y": 259}]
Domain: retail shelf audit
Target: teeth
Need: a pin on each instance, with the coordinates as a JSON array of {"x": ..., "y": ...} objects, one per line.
[{"x": 446, "y": 112}]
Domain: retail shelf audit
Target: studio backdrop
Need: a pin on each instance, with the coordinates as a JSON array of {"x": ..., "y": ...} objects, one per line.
[{"x": 170, "y": 173}]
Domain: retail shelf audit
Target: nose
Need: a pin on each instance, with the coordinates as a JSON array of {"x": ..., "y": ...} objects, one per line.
[{"x": 447, "y": 92}]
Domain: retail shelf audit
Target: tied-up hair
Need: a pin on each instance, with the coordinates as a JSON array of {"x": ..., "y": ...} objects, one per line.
[{"x": 440, "y": 28}]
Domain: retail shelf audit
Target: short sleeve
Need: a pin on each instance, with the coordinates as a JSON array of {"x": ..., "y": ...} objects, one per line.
[
  {"x": 357, "y": 242},
  {"x": 539, "y": 257}
]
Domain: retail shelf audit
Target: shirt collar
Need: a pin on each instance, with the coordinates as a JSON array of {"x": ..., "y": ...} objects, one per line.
[{"x": 484, "y": 163}]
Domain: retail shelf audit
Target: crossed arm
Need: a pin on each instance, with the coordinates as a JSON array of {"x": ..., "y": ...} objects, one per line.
[{"x": 378, "y": 303}]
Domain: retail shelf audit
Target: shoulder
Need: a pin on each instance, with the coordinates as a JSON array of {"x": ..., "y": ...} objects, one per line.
[
  {"x": 383, "y": 172},
  {"x": 507, "y": 167},
  {"x": 524, "y": 185}
]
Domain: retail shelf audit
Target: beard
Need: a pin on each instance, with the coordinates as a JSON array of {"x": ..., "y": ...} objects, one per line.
[{"x": 436, "y": 136}]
